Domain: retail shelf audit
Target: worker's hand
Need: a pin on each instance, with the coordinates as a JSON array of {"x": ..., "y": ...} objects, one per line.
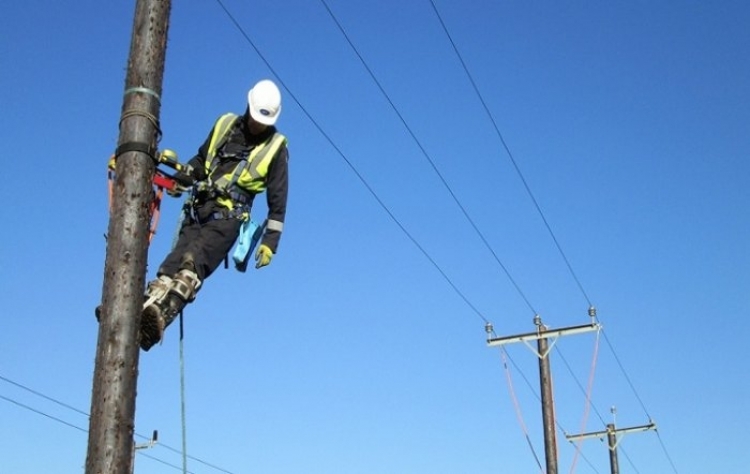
[
  {"x": 184, "y": 179},
  {"x": 177, "y": 190},
  {"x": 263, "y": 256},
  {"x": 175, "y": 193}
]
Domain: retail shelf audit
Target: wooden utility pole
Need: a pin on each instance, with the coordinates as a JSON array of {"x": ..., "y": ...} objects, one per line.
[
  {"x": 548, "y": 404},
  {"x": 111, "y": 427},
  {"x": 614, "y": 464},
  {"x": 542, "y": 336}
]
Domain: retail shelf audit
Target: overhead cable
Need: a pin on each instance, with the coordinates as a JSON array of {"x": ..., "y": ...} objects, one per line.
[
  {"x": 354, "y": 168},
  {"x": 510, "y": 155},
  {"x": 428, "y": 158},
  {"x": 81, "y": 412},
  {"x": 536, "y": 203}
]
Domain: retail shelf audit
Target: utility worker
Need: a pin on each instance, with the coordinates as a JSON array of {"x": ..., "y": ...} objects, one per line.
[{"x": 241, "y": 157}]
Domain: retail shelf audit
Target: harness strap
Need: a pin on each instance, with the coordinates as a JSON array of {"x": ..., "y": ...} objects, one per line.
[
  {"x": 240, "y": 197},
  {"x": 241, "y": 166},
  {"x": 142, "y": 147}
]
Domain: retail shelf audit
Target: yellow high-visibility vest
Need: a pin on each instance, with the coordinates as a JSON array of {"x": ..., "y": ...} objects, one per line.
[{"x": 250, "y": 174}]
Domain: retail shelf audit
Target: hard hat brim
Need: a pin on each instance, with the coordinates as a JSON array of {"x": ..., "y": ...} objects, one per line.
[{"x": 261, "y": 115}]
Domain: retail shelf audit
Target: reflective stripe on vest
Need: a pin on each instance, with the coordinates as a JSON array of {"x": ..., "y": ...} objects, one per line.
[{"x": 219, "y": 136}]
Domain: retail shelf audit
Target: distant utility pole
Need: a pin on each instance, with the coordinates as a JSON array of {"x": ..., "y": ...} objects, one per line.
[
  {"x": 542, "y": 336},
  {"x": 612, "y": 441},
  {"x": 111, "y": 427}
]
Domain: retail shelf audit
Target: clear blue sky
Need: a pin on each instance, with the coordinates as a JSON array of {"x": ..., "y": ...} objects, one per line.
[{"x": 352, "y": 352}]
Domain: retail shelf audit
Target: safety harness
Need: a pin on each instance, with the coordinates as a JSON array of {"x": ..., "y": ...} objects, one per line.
[{"x": 234, "y": 191}]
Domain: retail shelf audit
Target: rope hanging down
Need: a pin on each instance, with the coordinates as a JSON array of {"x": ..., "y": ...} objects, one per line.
[{"x": 182, "y": 394}]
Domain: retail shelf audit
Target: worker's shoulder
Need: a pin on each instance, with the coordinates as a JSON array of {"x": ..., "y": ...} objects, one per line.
[
  {"x": 225, "y": 119},
  {"x": 227, "y": 115}
]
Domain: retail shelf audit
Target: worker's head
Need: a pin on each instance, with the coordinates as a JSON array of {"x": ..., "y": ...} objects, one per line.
[{"x": 264, "y": 102}]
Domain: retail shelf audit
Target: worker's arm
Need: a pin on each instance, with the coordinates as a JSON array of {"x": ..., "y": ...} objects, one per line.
[
  {"x": 277, "y": 186},
  {"x": 195, "y": 168}
]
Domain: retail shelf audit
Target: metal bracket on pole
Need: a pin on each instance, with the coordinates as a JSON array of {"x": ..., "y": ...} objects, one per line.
[
  {"x": 607, "y": 432},
  {"x": 148, "y": 445},
  {"x": 154, "y": 439},
  {"x": 543, "y": 333}
]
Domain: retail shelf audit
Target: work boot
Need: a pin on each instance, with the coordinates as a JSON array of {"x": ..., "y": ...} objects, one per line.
[
  {"x": 156, "y": 317},
  {"x": 152, "y": 326}
]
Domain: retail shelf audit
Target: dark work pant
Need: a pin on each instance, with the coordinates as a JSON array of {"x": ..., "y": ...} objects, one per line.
[{"x": 205, "y": 244}]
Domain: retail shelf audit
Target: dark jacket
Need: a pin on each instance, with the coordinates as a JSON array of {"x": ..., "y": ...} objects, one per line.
[{"x": 238, "y": 144}]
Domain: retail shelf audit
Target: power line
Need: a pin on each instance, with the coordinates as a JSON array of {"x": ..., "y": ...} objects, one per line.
[
  {"x": 426, "y": 155},
  {"x": 523, "y": 179},
  {"x": 173, "y": 466},
  {"x": 627, "y": 378},
  {"x": 505, "y": 356},
  {"x": 510, "y": 155},
  {"x": 538, "y": 398},
  {"x": 437, "y": 171},
  {"x": 364, "y": 181},
  {"x": 638, "y": 397},
  {"x": 664, "y": 448},
  {"x": 81, "y": 412},
  {"x": 353, "y": 168},
  {"x": 630, "y": 461},
  {"x": 578, "y": 383},
  {"x": 387, "y": 209},
  {"x": 39, "y": 394},
  {"x": 536, "y": 203},
  {"x": 38, "y": 412},
  {"x": 83, "y": 430},
  {"x": 428, "y": 158}
]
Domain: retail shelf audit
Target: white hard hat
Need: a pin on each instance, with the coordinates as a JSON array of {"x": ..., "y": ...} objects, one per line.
[{"x": 264, "y": 101}]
